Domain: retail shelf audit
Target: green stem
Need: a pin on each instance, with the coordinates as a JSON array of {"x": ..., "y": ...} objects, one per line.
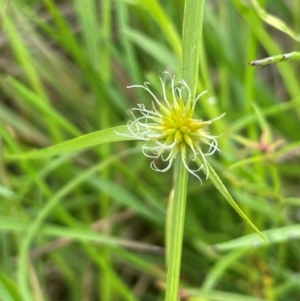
[
  {"x": 191, "y": 49},
  {"x": 176, "y": 230},
  {"x": 192, "y": 41},
  {"x": 276, "y": 59}
]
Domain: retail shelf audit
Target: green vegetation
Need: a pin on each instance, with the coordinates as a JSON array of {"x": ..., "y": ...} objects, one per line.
[{"x": 83, "y": 216}]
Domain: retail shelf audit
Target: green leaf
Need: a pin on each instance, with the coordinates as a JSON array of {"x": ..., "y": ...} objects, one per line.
[
  {"x": 277, "y": 235},
  {"x": 274, "y": 21},
  {"x": 38, "y": 102},
  {"x": 8, "y": 291},
  {"x": 216, "y": 181},
  {"x": 78, "y": 234},
  {"x": 156, "y": 11},
  {"x": 152, "y": 47},
  {"x": 113, "y": 134},
  {"x": 216, "y": 273},
  {"x": 200, "y": 294}
]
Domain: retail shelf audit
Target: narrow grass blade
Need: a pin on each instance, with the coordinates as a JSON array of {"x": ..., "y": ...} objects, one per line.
[
  {"x": 219, "y": 269},
  {"x": 274, "y": 21},
  {"x": 200, "y": 294},
  {"x": 114, "y": 134},
  {"x": 2, "y": 14},
  {"x": 152, "y": 47},
  {"x": 154, "y": 8},
  {"x": 37, "y": 101},
  {"x": 278, "y": 235},
  {"x": 8, "y": 291},
  {"x": 216, "y": 181}
]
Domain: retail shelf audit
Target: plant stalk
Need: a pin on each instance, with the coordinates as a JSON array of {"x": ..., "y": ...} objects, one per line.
[{"x": 176, "y": 230}]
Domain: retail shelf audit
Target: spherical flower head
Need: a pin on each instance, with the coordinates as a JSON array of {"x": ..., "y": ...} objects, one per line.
[{"x": 170, "y": 128}]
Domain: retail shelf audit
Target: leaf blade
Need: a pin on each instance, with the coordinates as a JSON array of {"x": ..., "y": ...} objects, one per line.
[
  {"x": 216, "y": 181},
  {"x": 114, "y": 134}
]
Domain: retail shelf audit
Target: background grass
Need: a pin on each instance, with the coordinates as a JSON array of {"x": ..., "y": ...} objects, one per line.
[{"x": 64, "y": 70}]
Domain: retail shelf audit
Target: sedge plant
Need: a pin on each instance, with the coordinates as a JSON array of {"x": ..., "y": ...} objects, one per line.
[{"x": 172, "y": 134}]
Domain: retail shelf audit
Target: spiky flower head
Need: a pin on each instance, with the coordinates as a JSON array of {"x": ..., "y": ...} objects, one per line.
[{"x": 170, "y": 128}]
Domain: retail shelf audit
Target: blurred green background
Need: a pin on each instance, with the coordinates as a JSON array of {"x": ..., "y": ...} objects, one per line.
[{"x": 64, "y": 68}]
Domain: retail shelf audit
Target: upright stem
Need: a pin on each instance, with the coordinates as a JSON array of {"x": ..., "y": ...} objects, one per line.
[
  {"x": 191, "y": 47},
  {"x": 192, "y": 41},
  {"x": 176, "y": 230}
]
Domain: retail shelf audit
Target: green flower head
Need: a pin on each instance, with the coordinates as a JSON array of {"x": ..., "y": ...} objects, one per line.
[{"x": 170, "y": 128}]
